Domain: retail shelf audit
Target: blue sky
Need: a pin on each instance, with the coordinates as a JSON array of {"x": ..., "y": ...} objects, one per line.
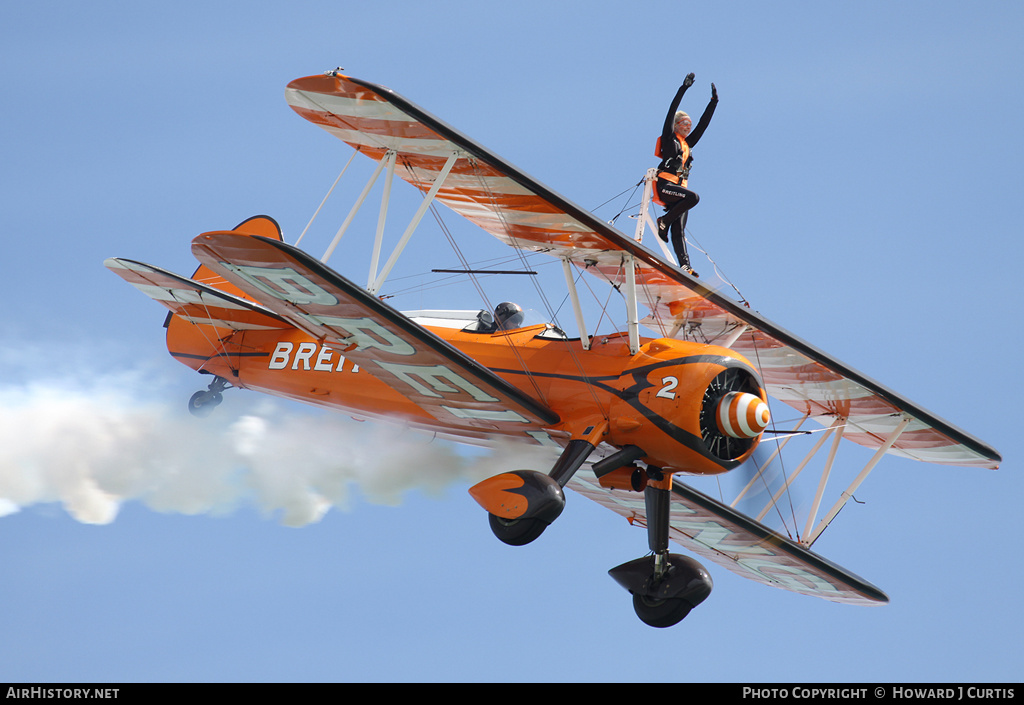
[{"x": 858, "y": 184}]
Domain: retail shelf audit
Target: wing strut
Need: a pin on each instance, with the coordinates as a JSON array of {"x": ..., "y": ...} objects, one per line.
[
  {"x": 581, "y": 322},
  {"x": 420, "y": 212},
  {"x": 355, "y": 209},
  {"x": 811, "y": 515},
  {"x": 391, "y": 157},
  {"x": 809, "y": 539},
  {"x": 632, "y": 319},
  {"x": 803, "y": 463},
  {"x": 735, "y": 335}
]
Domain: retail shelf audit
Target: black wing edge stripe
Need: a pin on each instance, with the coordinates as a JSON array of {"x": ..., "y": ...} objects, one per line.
[
  {"x": 780, "y": 542},
  {"x": 620, "y": 241},
  {"x": 542, "y": 412}
]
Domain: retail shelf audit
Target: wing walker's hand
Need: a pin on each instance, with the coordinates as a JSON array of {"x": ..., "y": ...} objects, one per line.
[
  {"x": 714, "y": 92},
  {"x": 688, "y": 81}
]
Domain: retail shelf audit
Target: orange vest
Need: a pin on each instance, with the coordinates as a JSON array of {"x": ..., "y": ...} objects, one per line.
[{"x": 684, "y": 155}]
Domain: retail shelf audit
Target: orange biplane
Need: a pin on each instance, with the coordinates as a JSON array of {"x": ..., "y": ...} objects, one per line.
[{"x": 628, "y": 415}]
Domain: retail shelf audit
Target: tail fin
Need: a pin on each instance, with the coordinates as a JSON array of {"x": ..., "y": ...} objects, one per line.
[{"x": 262, "y": 225}]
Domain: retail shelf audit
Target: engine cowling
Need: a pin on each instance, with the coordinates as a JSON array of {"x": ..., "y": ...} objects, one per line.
[{"x": 691, "y": 407}]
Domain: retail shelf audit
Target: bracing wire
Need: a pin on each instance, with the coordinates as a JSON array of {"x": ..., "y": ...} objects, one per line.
[
  {"x": 475, "y": 281},
  {"x": 514, "y": 241},
  {"x": 625, "y": 207},
  {"x": 329, "y": 192},
  {"x": 781, "y": 459},
  {"x": 692, "y": 240}
]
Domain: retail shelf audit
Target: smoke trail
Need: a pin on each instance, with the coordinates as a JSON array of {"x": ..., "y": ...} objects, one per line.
[{"x": 93, "y": 448}]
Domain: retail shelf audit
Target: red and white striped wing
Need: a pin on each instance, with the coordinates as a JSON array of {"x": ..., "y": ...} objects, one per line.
[
  {"x": 481, "y": 187},
  {"x": 524, "y": 213}
]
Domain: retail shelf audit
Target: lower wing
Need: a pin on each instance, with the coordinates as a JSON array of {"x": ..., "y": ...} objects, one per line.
[{"x": 738, "y": 543}]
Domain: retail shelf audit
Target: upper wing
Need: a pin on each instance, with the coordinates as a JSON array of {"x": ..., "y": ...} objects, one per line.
[
  {"x": 481, "y": 186},
  {"x": 730, "y": 539},
  {"x": 443, "y": 381},
  {"x": 524, "y": 213}
]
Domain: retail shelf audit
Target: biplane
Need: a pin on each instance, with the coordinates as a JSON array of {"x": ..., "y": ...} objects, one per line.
[{"x": 627, "y": 415}]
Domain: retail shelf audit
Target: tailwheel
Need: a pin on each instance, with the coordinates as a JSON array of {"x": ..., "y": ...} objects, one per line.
[
  {"x": 516, "y": 532},
  {"x": 202, "y": 403}
]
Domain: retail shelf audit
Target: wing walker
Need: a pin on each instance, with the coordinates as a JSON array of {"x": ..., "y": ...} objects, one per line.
[{"x": 626, "y": 415}]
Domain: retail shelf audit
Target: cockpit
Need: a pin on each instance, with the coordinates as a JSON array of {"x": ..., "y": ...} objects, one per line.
[{"x": 506, "y": 316}]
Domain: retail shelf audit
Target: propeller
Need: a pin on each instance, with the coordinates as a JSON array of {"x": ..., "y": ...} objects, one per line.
[
  {"x": 732, "y": 413},
  {"x": 760, "y": 478}
]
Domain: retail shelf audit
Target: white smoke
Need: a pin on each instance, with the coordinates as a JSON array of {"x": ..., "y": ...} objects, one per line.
[{"x": 93, "y": 448}]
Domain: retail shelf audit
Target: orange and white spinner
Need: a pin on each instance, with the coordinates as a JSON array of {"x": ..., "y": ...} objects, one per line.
[{"x": 742, "y": 415}]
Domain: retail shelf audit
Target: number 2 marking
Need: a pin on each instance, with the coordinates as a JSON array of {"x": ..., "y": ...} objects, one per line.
[{"x": 670, "y": 384}]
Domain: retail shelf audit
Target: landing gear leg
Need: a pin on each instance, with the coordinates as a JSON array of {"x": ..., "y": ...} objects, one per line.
[
  {"x": 205, "y": 401},
  {"x": 665, "y": 586}
]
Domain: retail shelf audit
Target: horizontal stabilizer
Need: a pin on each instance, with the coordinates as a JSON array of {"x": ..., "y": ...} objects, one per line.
[
  {"x": 195, "y": 302},
  {"x": 430, "y": 372}
]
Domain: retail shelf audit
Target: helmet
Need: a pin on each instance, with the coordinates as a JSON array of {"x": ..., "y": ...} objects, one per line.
[{"x": 508, "y": 315}]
